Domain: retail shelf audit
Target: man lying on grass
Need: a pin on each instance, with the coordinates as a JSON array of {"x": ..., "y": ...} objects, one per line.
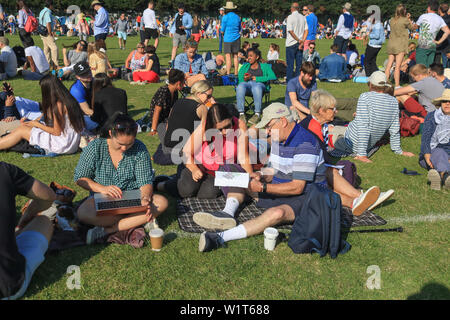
[{"x": 296, "y": 161}]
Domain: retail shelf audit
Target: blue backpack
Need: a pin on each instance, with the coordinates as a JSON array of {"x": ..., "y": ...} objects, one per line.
[
  {"x": 348, "y": 21},
  {"x": 317, "y": 227}
]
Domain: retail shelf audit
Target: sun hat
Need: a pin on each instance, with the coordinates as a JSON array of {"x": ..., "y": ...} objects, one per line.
[
  {"x": 221, "y": 9},
  {"x": 378, "y": 78},
  {"x": 230, "y": 6},
  {"x": 95, "y": 2},
  {"x": 445, "y": 97},
  {"x": 275, "y": 110}
]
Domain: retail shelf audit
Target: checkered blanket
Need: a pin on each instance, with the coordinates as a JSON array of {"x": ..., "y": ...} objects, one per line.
[{"x": 247, "y": 211}]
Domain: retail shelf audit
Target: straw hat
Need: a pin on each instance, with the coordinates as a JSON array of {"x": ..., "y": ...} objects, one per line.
[
  {"x": 445, "y": 97},
  {"x": 95, "y": 2},
  {"x": 230, "y": 6}
]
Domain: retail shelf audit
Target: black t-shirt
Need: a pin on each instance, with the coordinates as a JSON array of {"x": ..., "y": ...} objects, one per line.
[
  {"x": 13, "y": 181},
  {"x": 444, "y": 44},
  {"x": 183, "y": 116},
  {"x": 155, "y": 66},
  {"x": 163, "y": 98},
  {"x": 178, "y": 24},
  {"x": 108, "y": 101}
]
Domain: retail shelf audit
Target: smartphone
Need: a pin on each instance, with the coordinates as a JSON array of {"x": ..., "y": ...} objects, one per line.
[{"x": 8, "y": 89}]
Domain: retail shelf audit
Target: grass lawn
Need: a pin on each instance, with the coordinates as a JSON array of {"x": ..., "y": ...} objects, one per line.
[{"x": 413, "y": 264}]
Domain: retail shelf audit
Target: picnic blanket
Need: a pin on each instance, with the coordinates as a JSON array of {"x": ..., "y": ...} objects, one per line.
[{"x": 247, "y": 211}]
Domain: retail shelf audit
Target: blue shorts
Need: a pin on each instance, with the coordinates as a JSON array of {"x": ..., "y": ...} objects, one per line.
[
  {"x": 122, "y": 35},
  {"x": 32, "y": 245},
  {"x": 268, "y": 201}
]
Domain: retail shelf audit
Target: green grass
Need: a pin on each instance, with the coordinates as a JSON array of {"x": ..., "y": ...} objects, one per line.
[{"x": 413, "y": 264}]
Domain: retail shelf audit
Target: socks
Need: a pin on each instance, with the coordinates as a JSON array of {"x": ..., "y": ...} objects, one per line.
[
  {"x": 231, "y": 206},
  {"x": 235, "y": 233}
]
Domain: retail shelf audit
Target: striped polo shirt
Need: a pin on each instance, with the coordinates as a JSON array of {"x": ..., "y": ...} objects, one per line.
[
  {"x": 376, "y": 114},
  {"x": 298, "y": 158}
]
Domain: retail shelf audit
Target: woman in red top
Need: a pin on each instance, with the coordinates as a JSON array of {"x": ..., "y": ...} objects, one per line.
[{"x": 223, "y": 147}]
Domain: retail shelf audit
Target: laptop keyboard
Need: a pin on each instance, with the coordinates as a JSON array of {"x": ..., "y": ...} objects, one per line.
[{"x": 118, "y": 204}]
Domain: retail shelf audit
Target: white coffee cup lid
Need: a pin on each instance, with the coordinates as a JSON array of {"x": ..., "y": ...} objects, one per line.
[
  {"x": 271, "y": 233},
  {"x": 157, "y": 232}
]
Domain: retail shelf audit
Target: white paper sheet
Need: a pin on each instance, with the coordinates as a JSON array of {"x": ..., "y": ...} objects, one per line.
[{"x": 231, "y": 179}]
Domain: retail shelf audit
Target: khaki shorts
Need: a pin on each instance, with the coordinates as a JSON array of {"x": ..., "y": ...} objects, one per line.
[{"x": 178, "y": 39}]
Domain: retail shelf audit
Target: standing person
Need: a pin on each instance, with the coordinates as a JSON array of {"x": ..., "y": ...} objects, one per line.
[
  {"x": 101, "y": 21},
  {"x": 121, "y": 30},
  {"x": 221, "y": 15},
  {"x": 297, "y": 31},
  {"x": 376, "y": 40},
  {"x": 397, "y": 45},
  {"x": 150, "y": 25},
  {"x": 312, "y": 21},
  {"x": 50, "y": 49},
  {"x": 24, "y": 12},
  {"x": 82, "y": 27},
  {"x": 22, "y": 252},
  {"x": 430, "y": 23},
  {"x": 2, "y": 18},
  {"x": 196, "y": 29},
  {"x": 442, "y": 48},
  {"x": 180, "y": 30},
  {"x": 344, "y": 30},
  {"x": 231, "y": 28}
]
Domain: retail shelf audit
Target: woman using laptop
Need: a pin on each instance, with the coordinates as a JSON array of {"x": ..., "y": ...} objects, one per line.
[{"x": 111, "y": 165}]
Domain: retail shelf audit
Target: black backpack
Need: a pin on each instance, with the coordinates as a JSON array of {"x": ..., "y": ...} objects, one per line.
[{"x": 317, "y": 227}]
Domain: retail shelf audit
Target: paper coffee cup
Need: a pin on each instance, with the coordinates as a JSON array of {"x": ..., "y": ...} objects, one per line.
[
  {"x": 156, "y": 239},
  {"x": 270, "y": 238}
]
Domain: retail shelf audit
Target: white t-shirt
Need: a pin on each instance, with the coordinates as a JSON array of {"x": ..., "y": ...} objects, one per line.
[
  {"x": 273, "y": 55},
  {"x": 296, "y": 22},
  {"x": 430, "y": 24},
  {"x": 342, "y": 30},
  {"x": 149, "y": 19},
  {"x": 38, "y": 57}
]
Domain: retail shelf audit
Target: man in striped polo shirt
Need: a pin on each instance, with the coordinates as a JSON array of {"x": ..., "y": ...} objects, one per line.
[
  {"x": 376, "y": 113},
  {"x": 296, "y": 161}
]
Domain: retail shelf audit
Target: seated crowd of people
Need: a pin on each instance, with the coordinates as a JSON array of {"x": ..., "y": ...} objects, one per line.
[{"x": 202, "y": 136}]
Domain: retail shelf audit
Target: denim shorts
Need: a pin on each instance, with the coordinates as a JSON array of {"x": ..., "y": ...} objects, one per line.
[
  {"x": 122, "y": 35},
  {"x": 32, "y": 245}
]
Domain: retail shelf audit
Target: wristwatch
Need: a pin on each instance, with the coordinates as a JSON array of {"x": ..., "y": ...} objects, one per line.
[
  {"x": 152, "y": 130},
  {"x": 264, "y": 189}
]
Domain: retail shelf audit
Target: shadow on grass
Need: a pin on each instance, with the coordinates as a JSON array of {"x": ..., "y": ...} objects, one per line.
[{"x": 432, "y": 291}]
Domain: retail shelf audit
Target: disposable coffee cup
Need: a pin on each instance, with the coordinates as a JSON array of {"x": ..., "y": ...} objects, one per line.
[
  {"x": 156, "y": 239},
  {"x": 270, "y": 238}
]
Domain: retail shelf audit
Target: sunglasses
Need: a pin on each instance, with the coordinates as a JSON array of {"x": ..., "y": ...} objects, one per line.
[
  {"x": 140, "y": 47},
  {"x": 445, "y": 101},
  {"x": 119, "y": 126}
]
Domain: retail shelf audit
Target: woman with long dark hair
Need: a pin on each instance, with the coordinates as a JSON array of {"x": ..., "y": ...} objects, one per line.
[
  {"x": 106, "y": 99},
  {"x": 59, "y": 129},
  {"x": 110, "y": 165},
  {"x": 23, "y": 14}
]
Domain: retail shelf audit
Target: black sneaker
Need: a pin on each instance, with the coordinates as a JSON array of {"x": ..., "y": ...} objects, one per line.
[
  {"x": 214, "y": 221},
  {"x": 210, "y": 241},
  {"x": 159, "y": 179}
]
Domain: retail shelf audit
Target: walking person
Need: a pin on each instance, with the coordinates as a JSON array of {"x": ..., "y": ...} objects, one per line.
[
  {"x": 397, "y": 45},
  {"x": 180, "y": 30},
  {"x": 376, "y": 40},
  {"x": 231, "y": 28},
  {"x": 150, "y": 25},
  {"x": 313, "y": 22},
  {"x": 221, "y": 15},
  {"x": 23, "y": 14},
  {"x": 297, "y": 31},
  {"x": 101, "y": 23},
  {"x": 121, "y": 30},
  {"x": 50, "y": 49},
  {"x": 344, "y": 30}
]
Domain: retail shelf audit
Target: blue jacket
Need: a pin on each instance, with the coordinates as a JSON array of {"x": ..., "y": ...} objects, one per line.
[
  {"x": 333, "y": 67},
  {"x": 187, "y": 23},
  {"x": 376, "y": 36},
  {"x": 198, "y": 65}
]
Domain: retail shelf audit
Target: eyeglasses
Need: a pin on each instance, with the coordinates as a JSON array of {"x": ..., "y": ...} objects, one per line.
[
  {"x": 305, "y": 10},
  {"x": 208, "y": 96}
]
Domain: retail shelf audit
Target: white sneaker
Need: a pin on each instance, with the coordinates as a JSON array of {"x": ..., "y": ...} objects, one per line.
[
  {"x": 435, "y": 179},
  {"x": 94, "y": 234},
  {"x": 365, "y": 200},
  {"x": 383, "y": 197}
]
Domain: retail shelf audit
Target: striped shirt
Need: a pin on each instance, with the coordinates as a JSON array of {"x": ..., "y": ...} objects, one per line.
[
  {"x": 298, "y": 158},
  {"x": 376, "y": 114},
  {"x": 133, "y": 171}
]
